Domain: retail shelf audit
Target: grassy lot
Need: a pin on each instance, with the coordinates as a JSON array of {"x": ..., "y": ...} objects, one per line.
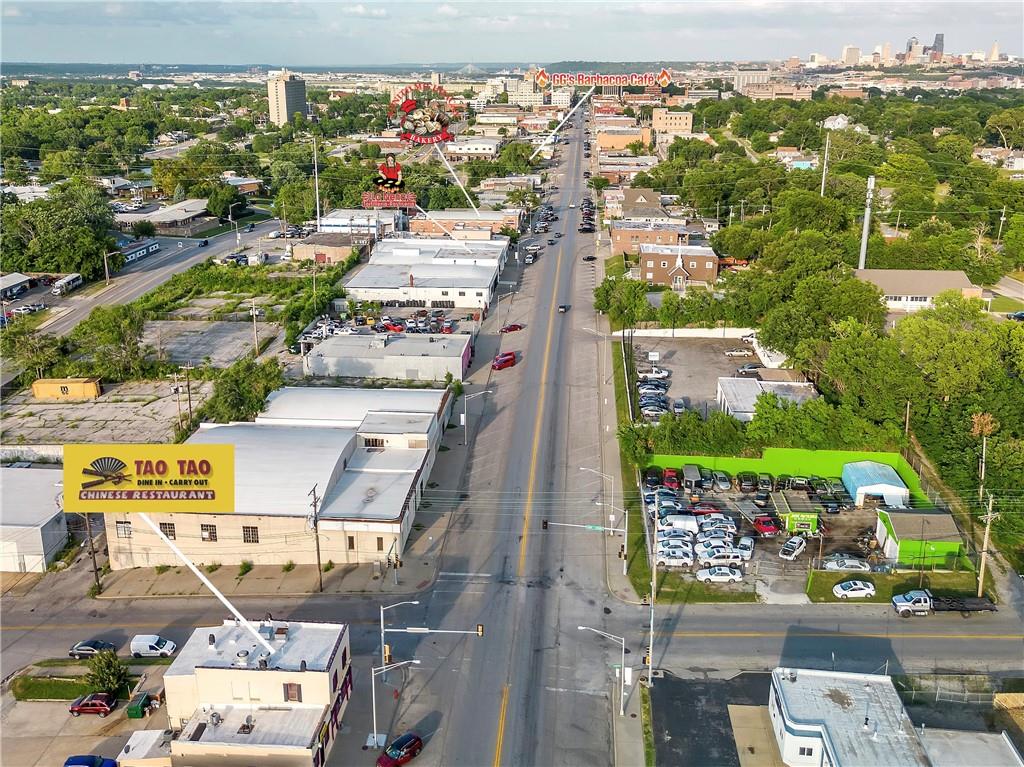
[
  {"x": 648, "y": 726},
  {"x": 57, "y": 688},
  {"x": 1005, "y": 305},
  {"x": 242, "y": 221},
  {"x": 58, "y": 662},
  {"x": 964, "y": 584},
  {"x": 673, "y": 589},
  {"x": 615, "y": 266}
]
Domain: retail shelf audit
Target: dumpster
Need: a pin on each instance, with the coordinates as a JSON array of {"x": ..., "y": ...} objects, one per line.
[{"x": 138, "y": 706}]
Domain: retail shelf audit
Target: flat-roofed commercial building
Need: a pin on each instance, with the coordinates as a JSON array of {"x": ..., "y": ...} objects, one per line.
[
  {"x": 420, "y": 357},
  {"x": 475, "y": 147},
  {"x": 378, "y": 222},
  {"x": 178, "y": 219},
  {"x": 738, "y": 396},
  {"x": 425, "y": 285},
  {"x": 332, "y": 247},
  {"x": 618, "y": 139},
  {"x": 452, "y": 221},
  {"x": 369, "y": 453},
  {"x": 33, "y": 529},
  {"x": 628, "y": 236},
  {"x": 236, "y": 703},
  {"x": 669, "y": 121}
]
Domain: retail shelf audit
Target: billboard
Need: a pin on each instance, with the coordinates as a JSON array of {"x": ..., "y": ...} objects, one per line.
[{"x": 157, "y": 478}]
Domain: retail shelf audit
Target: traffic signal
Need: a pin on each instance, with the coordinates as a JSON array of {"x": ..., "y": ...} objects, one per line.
[
  {"x": 398, "y": 562},
  {"x": 479, "y": 629},
  {"x": 622, "y": 552},
  {"x": 387, "y": 654},
  {"x": 544, "y": 524},
  {"x": 647, "y": 659}
]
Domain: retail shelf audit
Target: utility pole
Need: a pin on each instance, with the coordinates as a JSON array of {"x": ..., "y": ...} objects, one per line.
[
  {"x": 898, "y": 214},
  {"x": 255, "y": 330},
  {"x": 906, "y": 421},
  {"x": 316, "y": 184},
  {"x": 1002, "y": 220},
  {"x": 984, "y": 546},
  {"x": 187, "y": 367},
  {"x": 106, "y": 265},
  {"x": 92, "y": 552},
  {"x": 177, "y": 397},
  {"x": 981, "y": 469},
  {"x": 742, "y": 204},
  {"x": 824, "y": 163},
  {"x": 867, "y": 224},
  {"x": 316, "y": 536}
]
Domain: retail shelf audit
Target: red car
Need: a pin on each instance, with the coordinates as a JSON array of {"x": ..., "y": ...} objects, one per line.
[
  {"x": 99, "y": 703},
  {"x": 767, "y": 527},
  {"x": 504, "y": 360},
  {"x": 401, "y": 751},
  {"x": 514, "y": 327},
  {"x": 394, "y": 327},
  {"x": 671, "y": 479}
]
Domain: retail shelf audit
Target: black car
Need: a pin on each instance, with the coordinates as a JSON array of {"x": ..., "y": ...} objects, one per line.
[
  {"x": 652, "y": 477},
  {"x": 590, "y": 258},
  {"x": 251, "y": 228},
  {"x": 552, "y": 242},
  {"x": 1018, "y": 316},
  {"x": 89, "y": 648},
  {"x": 203, "y": 243}
]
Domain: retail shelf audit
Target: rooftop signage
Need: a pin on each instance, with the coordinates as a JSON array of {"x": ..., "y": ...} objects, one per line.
[
  {"x": 588, "y": 79},
  {"x": 423, "y": 113}
]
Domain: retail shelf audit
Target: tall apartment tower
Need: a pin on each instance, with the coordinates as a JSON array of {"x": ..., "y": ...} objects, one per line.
[
  {"x": 993, "y": 54},
  {"x": 886, "y": 53},
  {"x": 287, "y": 94},
  {"x": 939, "y": 45},
  {"x": 851, "y": 55}
]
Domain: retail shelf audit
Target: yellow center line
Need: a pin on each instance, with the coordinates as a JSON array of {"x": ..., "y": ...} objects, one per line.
[
  {"x": 824, "y": 634},
  {"x": 501, "y": 726},
  {"x": 536, "y": 424}
]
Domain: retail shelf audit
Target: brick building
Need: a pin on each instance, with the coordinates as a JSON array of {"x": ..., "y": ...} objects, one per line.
[{"x": 677, "y": 266}]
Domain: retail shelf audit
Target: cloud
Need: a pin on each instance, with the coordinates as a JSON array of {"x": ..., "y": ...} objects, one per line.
[
  {"x": 446, "y": 10},
  {"x": 11, "y": 11},
  {"x": 363, "y": 12}
]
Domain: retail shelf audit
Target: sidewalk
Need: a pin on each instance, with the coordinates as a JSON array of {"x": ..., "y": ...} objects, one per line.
[{"x": 419, "y": 562}]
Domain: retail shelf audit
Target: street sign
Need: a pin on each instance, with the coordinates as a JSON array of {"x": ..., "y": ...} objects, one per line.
[
  {"x": 653, "y": 356},
  {"x": 594, "y": 527}
]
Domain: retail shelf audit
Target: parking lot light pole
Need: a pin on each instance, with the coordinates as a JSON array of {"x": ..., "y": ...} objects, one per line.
[
  {"x": 622, "y": 667},
  {"x": 238, "y": 234},
  {"x": 465, "y": 411},
  {"x": 378, "y": 738}
]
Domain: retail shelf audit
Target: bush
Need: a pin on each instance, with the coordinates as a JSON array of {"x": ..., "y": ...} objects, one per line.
[
  {"x": 329, "y": 566},
  {"x": 107, "y": 673},
  {"x": 244, "y": 568},
  {"x": 288, "y": 566},
  {"x": 212, "y": 567}
]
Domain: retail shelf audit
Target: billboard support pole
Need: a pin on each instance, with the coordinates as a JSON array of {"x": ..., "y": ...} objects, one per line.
[
  {"x": 92, "y": 552},
  {"x": 206, "y": 582}
]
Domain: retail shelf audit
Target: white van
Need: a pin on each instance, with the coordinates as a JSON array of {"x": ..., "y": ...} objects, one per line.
[
  {"x": 687, "y": 522},
  {"x": 151, "y": 646}
]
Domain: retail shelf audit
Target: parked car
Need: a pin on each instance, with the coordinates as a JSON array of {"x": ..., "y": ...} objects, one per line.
[
  {"x": 716, "y": 518},
  {"x": 749, "y": 369},
  {"x": 89, "y": 760},
  {"x": 151, "y": 646},
  {"x": 765, "y": 482},
  {"x": 672, "y": 533},
  {"x": 767, "y": 527},
  {"x": 514, "y": 327},
  {"x": 793, "y": 548},
  {"x": 739, "y": 351},
  {"x": 671, "y": 479},
  {"x": 90, "y": 647},
  {"x": 99, "y": 703},
  {"x": 719, "y": 575},
  {"x": 722, "y": 482},
  {"x": 402, "y": 750},
  {"x": 675, "y": 542},
  {"x": 762, "y": 499},
  {"x": 727, "y": 526},
  {"x": 705, "y": 548},
  {"x": 674, "y": 559},
  {"x": 679, "y": 406},
  {"x": 747, "y": 482},
  {"x": 589, "y": 258},
  {"x": 1017, "y": 316},
  {"x": 848, "y": 565},
  {"x": 504, "y": 360},
  {"x": 854, "y": 590},
  {"x": 652, "y": 477},
  {"x": 745, "y": 546},
  {"x": 652, "y": 373},
  {"x": 707, "y": 536}
]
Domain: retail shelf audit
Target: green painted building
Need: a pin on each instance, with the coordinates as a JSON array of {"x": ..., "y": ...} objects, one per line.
[{"x": 919, "y": 538}]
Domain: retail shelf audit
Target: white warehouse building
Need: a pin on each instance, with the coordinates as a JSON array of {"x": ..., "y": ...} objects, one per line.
[{"x": 33, "y": 529}]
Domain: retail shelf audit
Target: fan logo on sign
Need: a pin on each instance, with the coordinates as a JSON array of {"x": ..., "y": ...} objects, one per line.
[{"x": 423, "y": 113}]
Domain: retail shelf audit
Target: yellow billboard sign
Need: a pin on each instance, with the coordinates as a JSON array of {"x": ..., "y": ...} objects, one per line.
[{"x": 157, "y": 478}]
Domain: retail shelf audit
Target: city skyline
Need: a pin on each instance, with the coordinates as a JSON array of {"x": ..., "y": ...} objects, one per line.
[{"x": 378, "y": 33}]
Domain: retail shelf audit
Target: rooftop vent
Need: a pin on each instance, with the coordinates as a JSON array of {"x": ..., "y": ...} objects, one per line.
[
  {"x": 212, "y": 641},
  {"x": 248, "y": 726},
  {"x": 302, "y": 665},
  {"x": 215, "y": 718},
  {"x": 242, "y": 658},
  {"x": 281, "y": 632},
  {"x": 197, "y": 734}
]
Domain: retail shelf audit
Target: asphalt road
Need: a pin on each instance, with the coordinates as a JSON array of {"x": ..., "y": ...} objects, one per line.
[{"x": 144, "y": 275}]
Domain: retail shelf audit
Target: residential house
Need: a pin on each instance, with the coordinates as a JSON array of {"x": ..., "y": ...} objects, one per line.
[{"x": 908, "y": 290}]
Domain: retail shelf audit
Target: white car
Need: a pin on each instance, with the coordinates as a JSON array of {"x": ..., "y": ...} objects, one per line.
[
  {"x": 705, "y": 536},
  {"x": 655, "y": 373},
  {"x": 674, "y": 559},
  {"x": 675, "y": 543},
  {"x": 745, "y": 546},
  {"x": 727, "y": 526},
  {"x": 719, "y": 575},
  {"x": 572, "y": 204},
  {"x": 707, "y": 519},
  {"x": 672, "y": 533},
  {"x": 853, "y": 590},
  {"x": 706, "y": 547},
  {"x": 848, "y": 565},
  {"x": 793, "y": 548},
  {"x": 739, "y": 351}
]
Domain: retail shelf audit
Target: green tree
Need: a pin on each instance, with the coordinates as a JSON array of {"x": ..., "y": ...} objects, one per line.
[
  {"x": 671, "y": 310},
  {"x": 241, "y": 390},
  {"x": 142, "y": 229},
  {"x": 636, "y": 147},
  {"x": 690, "y": 152},
  {"x": 112, "y": 337},
  {"x": 801, "y": 210},
  {"x": 1009, "y": 124},
  {"x": 1013, "y": 240},
  {"x": 224, "y": 201},
  {"x": 598, "y": 183},
  {"x": 107, "y": 673},
  {"x": 25, "y": 348},
  {"x": 908, "y": 170}
]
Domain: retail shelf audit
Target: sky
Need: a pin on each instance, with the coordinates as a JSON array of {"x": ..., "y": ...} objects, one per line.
[{"x": 294, "y": 33}]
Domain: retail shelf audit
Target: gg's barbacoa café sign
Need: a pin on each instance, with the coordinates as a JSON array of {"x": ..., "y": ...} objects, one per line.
[
  {"x": 587, "y": 79},
  {"x": 157, "y": 478}
]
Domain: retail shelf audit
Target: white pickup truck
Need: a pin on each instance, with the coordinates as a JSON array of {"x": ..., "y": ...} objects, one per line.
[{"x": 922, "y": 602}]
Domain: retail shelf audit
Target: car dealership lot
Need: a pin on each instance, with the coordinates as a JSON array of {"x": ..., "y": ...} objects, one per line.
[{"x": 695, "y": 363}]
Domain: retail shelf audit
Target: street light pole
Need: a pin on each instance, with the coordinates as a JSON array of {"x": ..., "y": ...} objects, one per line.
[
  {"x": 375, "y": 737},
  {"x": 238, "y": 235},
  {"x": 383, "y": 660},
  {"x": 622, "y": 666}
]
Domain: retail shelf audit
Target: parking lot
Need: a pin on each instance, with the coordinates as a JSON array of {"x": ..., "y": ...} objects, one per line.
[
  {"x": 695, "y": 365},
  {"x": 222, "y": 343}
]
